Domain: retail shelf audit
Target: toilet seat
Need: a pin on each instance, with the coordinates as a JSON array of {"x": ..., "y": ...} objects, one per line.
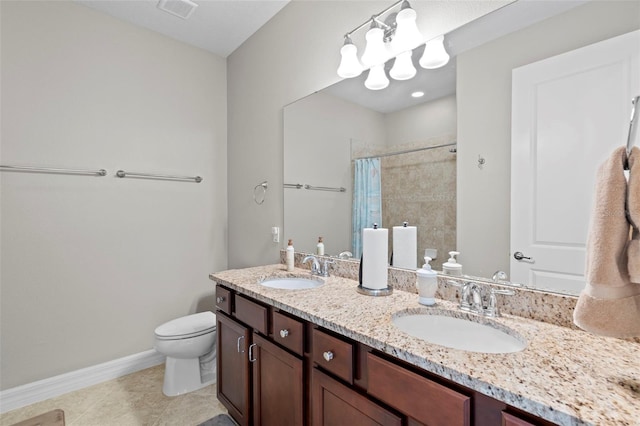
[{"x": 187, "y": 327}]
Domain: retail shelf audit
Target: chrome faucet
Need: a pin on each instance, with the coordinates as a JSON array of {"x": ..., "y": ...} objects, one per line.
[
  {"x": 320, "y": 268},
  {"x": 315, "y": 266},
  {"x": 492, "y": 309},
  {"x": 324, "y": 270},
  {"x": 472, "y": 298},
  {"x": 345, "y": 255}
]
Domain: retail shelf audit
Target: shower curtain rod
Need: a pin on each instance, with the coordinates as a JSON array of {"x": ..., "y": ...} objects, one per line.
[{"x": 408, "y": 151}]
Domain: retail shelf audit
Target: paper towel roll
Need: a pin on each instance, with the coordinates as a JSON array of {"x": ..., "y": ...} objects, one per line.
[
  {"x": 375, "y": 246},
  {"x": 405, "y": 247}
]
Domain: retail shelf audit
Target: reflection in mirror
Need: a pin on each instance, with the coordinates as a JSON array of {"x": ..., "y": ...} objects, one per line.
[{"x": 321, "y": 140}]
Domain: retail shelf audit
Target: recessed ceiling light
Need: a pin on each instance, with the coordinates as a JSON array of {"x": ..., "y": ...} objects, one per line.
[{"x": 417, "y": 94}]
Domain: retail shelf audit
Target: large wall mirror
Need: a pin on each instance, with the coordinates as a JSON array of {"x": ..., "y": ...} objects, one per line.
[{"x": 426, "y": 178}]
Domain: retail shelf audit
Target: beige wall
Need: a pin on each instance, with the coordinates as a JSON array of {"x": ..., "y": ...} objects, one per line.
[
  {"x": 427, "y": 120},
  {"x": 484, "y": 120},
  {"x": 292, "y": 56},
  {"x": 90, "y": 266},
  {"x": 318, "y": 133}
]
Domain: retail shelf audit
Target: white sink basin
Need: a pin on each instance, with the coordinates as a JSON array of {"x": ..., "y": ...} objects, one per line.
[
  {"x": 292, "y": 283},
  {"x": 458, "y": 333}
]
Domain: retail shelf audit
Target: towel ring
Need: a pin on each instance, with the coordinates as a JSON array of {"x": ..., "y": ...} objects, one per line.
[{"x": 264, "y": 185}]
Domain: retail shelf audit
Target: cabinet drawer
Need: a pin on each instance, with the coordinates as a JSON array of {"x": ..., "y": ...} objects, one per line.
[
  {"x": 424, "y": 400},
  {"x": 333, "y": 354},
  {"x": 253, "y": 314},
  {"x": 288, "y": 332},
  {"x": 511, "y": 420},
  {"x": 223, "y": 299}
]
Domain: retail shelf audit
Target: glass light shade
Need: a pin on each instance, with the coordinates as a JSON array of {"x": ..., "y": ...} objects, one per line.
[
  {"x": 375, "y": 51},
  {"x": 435, "y": 55},
  {"x": 377, "y": 79},
  {"x": 407, "y": 36},
  {"x": 403, "y": 68},
  {"x": 349, "y": 64}
]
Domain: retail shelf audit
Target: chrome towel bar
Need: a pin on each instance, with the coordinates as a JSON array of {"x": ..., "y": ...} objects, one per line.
[
  {"x": 313, "y": 188},
  {"x": 101, "y": 172},
  {"x": 324, "y": 188},
  {"x": 123, "y": 174}
]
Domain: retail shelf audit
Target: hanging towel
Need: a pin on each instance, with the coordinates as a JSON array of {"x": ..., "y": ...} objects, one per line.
[
  {"x": 609, "y": 305},
  {"x": 633, "y": 208}
]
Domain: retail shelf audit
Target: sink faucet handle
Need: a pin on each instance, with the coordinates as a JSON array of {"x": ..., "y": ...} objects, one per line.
[
  {"x": 492, "y": 309},
  {"x": 325, "y": 267}
]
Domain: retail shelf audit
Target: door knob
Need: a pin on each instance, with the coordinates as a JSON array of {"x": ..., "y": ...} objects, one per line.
[
  {"x": 220, "y": 299},
  {"x": 519, "y": 256},
  {"x": 284, "y": 333},
  {"x": 328, "y": 356}
]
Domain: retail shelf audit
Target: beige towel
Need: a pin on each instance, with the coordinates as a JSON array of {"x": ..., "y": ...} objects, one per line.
[
  {"x": 633, "y": 207},
  {"x": 609, "y": 305}
]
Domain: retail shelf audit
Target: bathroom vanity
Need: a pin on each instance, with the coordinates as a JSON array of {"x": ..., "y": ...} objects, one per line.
[{"x": 330, "y": 355}]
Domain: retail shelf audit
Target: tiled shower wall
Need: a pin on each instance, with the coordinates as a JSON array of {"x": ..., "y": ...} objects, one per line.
[{"x": 420, "y": 188}]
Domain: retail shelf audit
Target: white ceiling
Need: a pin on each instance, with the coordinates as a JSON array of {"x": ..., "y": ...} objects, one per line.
[
  {"x": 218, "y": 26},
  {"x": 221, "y": 26}
]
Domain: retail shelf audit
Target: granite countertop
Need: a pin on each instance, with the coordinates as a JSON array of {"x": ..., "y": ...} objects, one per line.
[{"x": 566, "y": 376}]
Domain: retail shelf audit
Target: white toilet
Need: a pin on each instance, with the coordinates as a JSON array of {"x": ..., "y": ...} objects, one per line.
[{"x": 189, "y": 343}]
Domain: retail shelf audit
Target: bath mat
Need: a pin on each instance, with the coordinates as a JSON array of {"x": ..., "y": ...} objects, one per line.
[
  {"x": 50, "y": 418},
  {"x": 219, "y": 420}
]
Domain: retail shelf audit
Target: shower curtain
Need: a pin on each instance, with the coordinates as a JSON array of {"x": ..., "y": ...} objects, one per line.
[{"x": 367, "y": 200}]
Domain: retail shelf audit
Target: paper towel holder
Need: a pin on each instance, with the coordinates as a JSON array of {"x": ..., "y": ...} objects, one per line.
[{"x": 374, "y": 292}]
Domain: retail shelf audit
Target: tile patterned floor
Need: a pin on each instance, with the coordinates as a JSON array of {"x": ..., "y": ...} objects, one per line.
[{"x": 132, "y": 400}]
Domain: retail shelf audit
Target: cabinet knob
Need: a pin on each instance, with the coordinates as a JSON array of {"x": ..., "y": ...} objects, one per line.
[
  {"x": 328, "y": 356},
  {"x": 284, "y": 333},
  {"x": 220, "y": 299}
]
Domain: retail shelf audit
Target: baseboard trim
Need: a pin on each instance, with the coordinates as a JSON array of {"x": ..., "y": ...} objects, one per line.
[{"x": 52, "y": 387}]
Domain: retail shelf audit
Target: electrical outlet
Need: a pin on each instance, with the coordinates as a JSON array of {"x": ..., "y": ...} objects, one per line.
[{"x": 275, "y": 233}]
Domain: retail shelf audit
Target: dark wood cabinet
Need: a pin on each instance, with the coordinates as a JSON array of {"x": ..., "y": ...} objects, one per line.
[
  {"x": 421, "y": 399},
  {"x": 511, "y": 420},
  {"x": 277, "y": 385},
  {"x": 233, "y": 367},
  {"x": 276, "y": 369},
  {"x": 259, "y": 382},
  {"x": 335, "y": 404}
]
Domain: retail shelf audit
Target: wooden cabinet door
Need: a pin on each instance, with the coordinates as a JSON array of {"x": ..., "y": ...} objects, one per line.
[
  {"x": 277, "y": 385},
  {"x": 334, "y": 404},
  {"x": 233, "y": 368}
]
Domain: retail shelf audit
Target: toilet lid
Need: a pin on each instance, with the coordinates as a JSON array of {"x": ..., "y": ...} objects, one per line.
[{"x": 199, "y": 323}]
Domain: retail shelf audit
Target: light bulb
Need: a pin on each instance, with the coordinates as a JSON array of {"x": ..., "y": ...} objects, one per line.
[
  {"x": 349, "y": 64},
  {"x": 375, "y": 50},
  {"x": 377, "y": 79},
  {"x": 435, "y": 55},
  {"x": 403, "y": 68},
  {"x": 407, "y": 36}
]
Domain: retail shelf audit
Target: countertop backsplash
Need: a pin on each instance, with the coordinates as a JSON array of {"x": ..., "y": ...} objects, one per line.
[{"x": 551, "y": 308}]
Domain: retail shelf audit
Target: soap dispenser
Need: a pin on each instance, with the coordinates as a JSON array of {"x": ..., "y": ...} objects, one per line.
[
  {"x": 452, "y": 267},
  {"x": 289, "y": 256},
  {"x": 427, "y": 283},
  {"x": 320, "y": 247}
]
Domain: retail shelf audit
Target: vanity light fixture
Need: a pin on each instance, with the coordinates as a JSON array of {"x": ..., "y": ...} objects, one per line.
[
  {"x": 377, "y": 79},
  {"x": 350, "y": 66},
  {"x": 435, "y": 55},
  {"x": 396, "y": 36}
]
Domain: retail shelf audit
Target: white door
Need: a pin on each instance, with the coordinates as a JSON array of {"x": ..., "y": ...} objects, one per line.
[{"x": 568, "y": 114}]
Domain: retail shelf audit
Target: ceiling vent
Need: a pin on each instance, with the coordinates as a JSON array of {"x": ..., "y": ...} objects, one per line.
[{"x": 180, "y": 8}]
